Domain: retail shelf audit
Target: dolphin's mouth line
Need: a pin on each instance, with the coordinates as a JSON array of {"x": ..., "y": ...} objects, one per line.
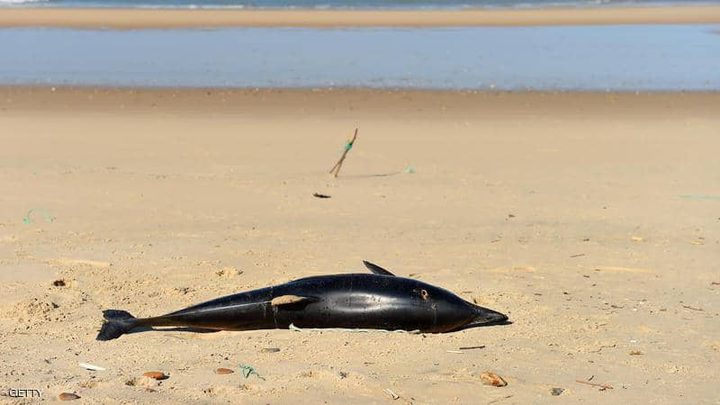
[{"x": 479, "y": 324}]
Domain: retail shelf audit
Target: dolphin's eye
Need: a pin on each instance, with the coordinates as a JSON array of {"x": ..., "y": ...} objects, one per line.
[{"x": 424, "y": 294}]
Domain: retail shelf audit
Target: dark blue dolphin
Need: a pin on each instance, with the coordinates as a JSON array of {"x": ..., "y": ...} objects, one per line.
[{"x": 365, "y": 301}]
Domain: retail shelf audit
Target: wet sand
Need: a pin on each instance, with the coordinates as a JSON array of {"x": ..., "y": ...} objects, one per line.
[
  {"x": 592, "y": 219},
  {"x": 167, "y": 18}
]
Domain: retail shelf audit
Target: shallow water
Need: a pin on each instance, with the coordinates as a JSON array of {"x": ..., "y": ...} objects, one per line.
[
  {"x": 647, "y": 57},
  {"x": 342, "y": 4}
]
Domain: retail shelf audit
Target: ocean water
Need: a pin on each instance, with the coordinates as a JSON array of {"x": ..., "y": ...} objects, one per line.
[
  {"x": 624, "y": 57},
  {"x": 341, "y": 4}
]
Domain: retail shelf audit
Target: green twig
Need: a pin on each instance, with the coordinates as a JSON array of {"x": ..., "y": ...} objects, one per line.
[{"x": 335, "y": 171}]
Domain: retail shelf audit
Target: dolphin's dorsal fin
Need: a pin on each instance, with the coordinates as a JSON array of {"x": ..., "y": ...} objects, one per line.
[
  {"x": 291, "y": 300},
  {"x": 377, "y": 269}
]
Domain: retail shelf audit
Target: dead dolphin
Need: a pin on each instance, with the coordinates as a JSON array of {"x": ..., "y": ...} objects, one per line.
[{"x": 365, "y": 301}]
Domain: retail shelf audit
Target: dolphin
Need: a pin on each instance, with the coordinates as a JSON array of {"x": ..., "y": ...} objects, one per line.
[{"x": 379, "y": 300}]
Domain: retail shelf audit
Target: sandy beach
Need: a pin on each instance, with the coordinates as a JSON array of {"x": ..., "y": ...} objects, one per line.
[
  {"x": 204, "y": 18},
  {"x": 592, "y": 219}
]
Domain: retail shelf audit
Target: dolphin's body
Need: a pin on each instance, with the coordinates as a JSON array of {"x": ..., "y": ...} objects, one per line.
[{"x": 366, "y": 301}]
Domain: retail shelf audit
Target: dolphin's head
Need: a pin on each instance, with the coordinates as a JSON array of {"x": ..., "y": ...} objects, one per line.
[{"x": 453, "y": 312}]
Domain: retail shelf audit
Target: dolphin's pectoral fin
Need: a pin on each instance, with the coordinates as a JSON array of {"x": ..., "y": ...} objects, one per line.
[
  {"x": 287, "y": 300},
  {"x": 377, "y": 269}
]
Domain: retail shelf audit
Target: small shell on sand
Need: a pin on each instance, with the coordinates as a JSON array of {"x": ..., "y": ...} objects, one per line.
[
  {"x": 223, "y": 370},
  {"x": 91, "y": 367},
  {"x": 156, "y": 375},
  {"x": 493, "y": 379},
  {"x": 67, "y": 396}
]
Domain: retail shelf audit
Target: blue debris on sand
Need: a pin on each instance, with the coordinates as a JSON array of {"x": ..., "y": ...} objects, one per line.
[
  {"x": 27, "y": 219},
  {"x": 248, "y": 370},
  {"x": 700, "y": 197}
]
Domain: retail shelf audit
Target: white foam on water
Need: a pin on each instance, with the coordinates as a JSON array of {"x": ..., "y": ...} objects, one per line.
[{"x": 2, "y": 2}]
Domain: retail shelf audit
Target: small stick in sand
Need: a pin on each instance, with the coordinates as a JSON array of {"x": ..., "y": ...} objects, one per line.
[
  {"x": 348, "y": 146},
  {"x": 601, "y": 386},
  {"x": 471, "y": 347}
]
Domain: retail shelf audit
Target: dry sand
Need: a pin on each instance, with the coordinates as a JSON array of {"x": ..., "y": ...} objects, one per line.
[
  {"x": 593, "y": 220},
  {"x": 164, "y": 18}
]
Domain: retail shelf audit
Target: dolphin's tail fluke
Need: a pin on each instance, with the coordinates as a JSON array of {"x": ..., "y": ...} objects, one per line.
[{"x": 117, "y": 323}]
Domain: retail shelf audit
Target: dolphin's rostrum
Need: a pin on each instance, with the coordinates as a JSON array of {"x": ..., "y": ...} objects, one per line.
[{"x": 366, "y": 301}]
